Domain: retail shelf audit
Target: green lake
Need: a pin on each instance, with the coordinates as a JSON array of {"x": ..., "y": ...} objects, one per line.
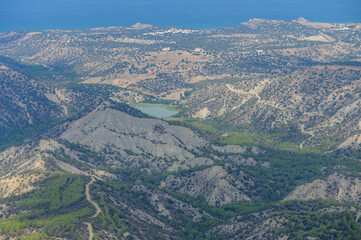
[{"x": 156, "y": 110}]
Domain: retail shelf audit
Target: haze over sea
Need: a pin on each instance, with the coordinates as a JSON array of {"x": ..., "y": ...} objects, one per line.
[{"x": 79, "y": 14}]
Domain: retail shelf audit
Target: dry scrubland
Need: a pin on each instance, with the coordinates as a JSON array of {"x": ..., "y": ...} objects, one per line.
[{"x": 266, "y": 144}]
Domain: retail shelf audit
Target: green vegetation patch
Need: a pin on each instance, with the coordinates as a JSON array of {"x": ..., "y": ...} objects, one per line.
[
  {"x": 224, "y": 134},
  {"x": 54, "y": 194},
  {"x": 327, "y": 225},
  {"x": 54, "y": 209},
  {"x": 57, "y": 226}
]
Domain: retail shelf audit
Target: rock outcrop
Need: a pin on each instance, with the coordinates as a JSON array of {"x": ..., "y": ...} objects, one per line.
[
  {"x": 335, "y": 187},
  {"x": 215, "y": 184}
]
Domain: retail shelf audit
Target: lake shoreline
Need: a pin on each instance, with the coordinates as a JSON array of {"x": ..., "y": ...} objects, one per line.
[{"x": 156, "y": 109}]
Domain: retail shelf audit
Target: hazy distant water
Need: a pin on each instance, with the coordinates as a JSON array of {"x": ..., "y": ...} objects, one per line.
[{"x": 70, "y": 14}]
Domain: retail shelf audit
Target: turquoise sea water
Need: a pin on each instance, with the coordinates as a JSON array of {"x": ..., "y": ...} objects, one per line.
[
  {"x": 156, "y": 110},
  {"x": 78, "y": 14}
]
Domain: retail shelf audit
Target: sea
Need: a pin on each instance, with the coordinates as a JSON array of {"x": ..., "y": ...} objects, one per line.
[{"x": 195, "y": 14}]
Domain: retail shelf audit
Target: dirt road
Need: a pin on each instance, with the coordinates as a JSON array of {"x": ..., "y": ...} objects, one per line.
[{"x": 97, "y": 208}]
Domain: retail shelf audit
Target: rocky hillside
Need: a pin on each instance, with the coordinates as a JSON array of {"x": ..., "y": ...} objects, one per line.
[
  {"x": 147, "y": 178},
  {"x": 23, "y": 100},
  {"x": 335, "y": 187},
  {"x": 31, "y": 102},
  {"x": 320, "y": 101},
  {"x": 217, "y": 185},
  {"x": 268, "y": 75},
  {"x": 266, "y": 144},
  {"x": 165, "y": 60},
  {"x": 131, "y": 138}
]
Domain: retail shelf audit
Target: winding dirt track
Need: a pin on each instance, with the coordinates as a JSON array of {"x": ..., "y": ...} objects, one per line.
[
  {"x": 90, "y": 229},
  {"x": 88, "y": 197},
  {"x": 305, "y": 132},
  {"x": 98, "y": 210}
]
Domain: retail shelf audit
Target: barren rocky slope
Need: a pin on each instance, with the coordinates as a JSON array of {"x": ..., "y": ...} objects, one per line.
[
  {"x": 166, "y": 146},
  {"x": 335, "y": 187}
]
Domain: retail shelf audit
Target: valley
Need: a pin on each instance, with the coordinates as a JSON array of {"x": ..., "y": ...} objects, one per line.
[{"x": 145, "y": 132}]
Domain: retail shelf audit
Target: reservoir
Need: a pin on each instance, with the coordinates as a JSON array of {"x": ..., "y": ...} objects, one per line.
[{"x": 156, "y": 110}]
